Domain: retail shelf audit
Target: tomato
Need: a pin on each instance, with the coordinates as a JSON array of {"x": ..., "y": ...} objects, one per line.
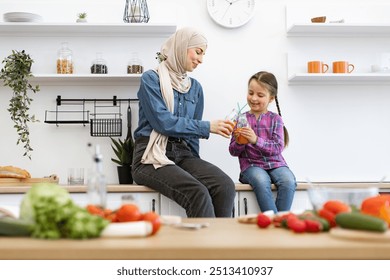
[
  {"x": 128, "y": 213},
  {"x": 328, "y": 215},
  {"x": 154, "y": 218},
  {"x": 263, "y": 221},
  {"x": 296, "y": 225},
  {"x": 336, "y": 206}
]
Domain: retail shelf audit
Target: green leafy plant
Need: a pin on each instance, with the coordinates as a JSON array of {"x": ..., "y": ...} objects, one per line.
[
  {"x": 123, "y": 150},
  {"x": 15, "y": 74},
  {"x": 82, "y": 15}
]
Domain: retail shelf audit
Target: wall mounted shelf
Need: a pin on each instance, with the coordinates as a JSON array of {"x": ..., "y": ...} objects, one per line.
[
  {"x": 86, "y": 79},
  {"x": 338, "y": 30},
  {"x": 339, "y": 79},
  {"x": 15, "y": 29}
]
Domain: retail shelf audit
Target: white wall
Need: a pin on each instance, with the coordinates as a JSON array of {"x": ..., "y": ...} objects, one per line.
[{"x": 338, "y": 133}]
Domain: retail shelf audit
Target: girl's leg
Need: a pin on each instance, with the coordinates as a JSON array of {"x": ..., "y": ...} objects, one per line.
[
  {"x": 260, "y": 181},
  {"x": 286, "y": 184}
]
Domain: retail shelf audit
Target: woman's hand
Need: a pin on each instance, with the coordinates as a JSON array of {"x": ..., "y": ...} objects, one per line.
[
  {"x": 222, "y": 127},
  {"x": 249, "y": 134}
]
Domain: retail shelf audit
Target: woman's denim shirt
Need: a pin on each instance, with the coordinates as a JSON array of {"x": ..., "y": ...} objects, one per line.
[{"x": 186, "y": 120}]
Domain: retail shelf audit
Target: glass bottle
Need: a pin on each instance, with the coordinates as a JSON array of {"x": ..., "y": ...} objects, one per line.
[
  {"x": 65, "y": 60},
  {"x": 135, "y": 65},
  {"x": 99, "y": 65},
  {"x": 97, "y": 186},
  {"x": 241, "y": 122}
]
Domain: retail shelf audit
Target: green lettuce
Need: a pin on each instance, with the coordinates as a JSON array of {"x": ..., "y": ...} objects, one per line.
[{"x": 54, "y": 214}]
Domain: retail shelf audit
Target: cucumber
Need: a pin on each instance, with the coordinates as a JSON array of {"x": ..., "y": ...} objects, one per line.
[
  {"x": 355, "y": 220},
  {"x": 14, "y": 227}
]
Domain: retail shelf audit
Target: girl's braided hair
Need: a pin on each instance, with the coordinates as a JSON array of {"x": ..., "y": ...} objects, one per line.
[{"x": 268, "y": 80}]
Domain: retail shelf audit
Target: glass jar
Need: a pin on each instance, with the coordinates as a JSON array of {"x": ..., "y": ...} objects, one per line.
[
  {"x": 99, "y": 65},
  {"x": 64, "y": 60},
  {"x": 135, "y": 65}
]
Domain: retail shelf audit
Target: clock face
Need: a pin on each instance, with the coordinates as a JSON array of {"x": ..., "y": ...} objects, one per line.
[{"x": 231, "y": 13}]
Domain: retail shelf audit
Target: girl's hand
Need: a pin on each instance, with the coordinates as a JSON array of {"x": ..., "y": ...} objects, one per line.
[
  {"x": 249, "y": 134},
  {"x": 222, "y": 127}
]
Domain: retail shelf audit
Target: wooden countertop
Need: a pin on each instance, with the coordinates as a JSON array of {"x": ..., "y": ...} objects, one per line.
[
  {"x": 225, "y": 238},
  {"x": 139, "y": 188}
]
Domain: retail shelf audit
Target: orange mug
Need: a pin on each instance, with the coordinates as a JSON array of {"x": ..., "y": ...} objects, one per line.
[
  {"x": 317, "y": 67},
  {"x": 342, "y": 67}
]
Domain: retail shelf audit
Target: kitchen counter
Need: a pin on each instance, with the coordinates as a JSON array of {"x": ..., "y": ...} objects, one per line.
[
  {"x": 139, "y": 188},
  {"x": 225, "y": 238}
]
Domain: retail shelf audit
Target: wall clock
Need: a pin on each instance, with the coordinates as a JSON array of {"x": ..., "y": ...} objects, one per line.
[{"x": 231, "y": 13}]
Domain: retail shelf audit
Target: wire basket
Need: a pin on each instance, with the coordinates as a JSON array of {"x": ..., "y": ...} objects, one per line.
[{"x": 106, "y": 127}]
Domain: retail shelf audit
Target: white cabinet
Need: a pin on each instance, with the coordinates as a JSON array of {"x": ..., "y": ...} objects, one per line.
[
  {"x": 169, "y": 207},
  {"x": 247, "y": 202},
  {"x": 147, "y": 201}
]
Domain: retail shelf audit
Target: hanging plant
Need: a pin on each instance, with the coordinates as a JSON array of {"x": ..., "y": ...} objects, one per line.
[{"x": 15, "y": 74}]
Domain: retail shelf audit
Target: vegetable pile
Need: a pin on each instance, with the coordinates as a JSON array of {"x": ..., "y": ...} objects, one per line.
[
  {"x": 52, "y": 214},
  {"x": 126, "y": 213},
  {"x": 373, "y": 215}
]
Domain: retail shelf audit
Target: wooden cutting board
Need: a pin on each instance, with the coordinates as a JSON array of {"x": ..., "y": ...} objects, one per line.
[
  {"x": 360, "y": 235},
  {"x": 28, "y": 181}
]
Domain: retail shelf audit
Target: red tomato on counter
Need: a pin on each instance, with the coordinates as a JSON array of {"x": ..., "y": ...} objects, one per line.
[
  {"x": 154, "y": 218},
  {"x": 128, "y": 213}
]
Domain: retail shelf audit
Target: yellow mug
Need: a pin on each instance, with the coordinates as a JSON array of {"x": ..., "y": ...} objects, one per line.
[
  {"x": 342, "y": 67},
  {"x": 317, "y": 67}
]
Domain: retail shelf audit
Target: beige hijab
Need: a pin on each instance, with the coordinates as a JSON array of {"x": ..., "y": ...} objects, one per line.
[{"x": 172, "y": 75}]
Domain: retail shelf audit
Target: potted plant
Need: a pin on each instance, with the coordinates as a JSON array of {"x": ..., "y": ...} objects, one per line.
[
  {"x": 15, "y": 74},
  {"x": 82, "y": 17},
  {"x": 123, "y": 150}
]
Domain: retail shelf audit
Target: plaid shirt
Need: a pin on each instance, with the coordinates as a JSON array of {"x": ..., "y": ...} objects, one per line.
[{"x": 267, "y": 152}]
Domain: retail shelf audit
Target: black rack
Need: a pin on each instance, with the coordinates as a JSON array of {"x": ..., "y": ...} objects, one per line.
[{"x": 102, "y": 123}]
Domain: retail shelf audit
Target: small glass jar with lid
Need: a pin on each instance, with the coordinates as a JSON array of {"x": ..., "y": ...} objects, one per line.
[
  {"x": 65, "y": 60},
  {"x": 99, "y": 65},
  {"x": 135, "y": 65}
]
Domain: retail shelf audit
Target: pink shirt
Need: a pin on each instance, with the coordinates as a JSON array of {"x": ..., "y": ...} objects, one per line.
[{"x": 267, "y": 152}]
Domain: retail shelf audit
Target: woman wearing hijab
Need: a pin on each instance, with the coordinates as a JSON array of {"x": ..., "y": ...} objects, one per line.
[{"x": 166, "y": 154}]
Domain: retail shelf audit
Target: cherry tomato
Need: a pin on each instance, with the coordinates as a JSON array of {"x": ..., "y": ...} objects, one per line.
[
  {"x": 128, "y": 213},
  {"x": 154, "y": 218}
]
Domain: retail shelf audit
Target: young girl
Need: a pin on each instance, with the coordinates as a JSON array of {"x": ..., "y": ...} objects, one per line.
[{"x": 261, "y": 160}]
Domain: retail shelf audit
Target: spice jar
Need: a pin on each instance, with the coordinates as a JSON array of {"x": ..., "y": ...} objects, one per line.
[
  {"x": 135, "y": 65},
  {"x": 64, "y": 60},
  {"x": 99, "y": 65}
]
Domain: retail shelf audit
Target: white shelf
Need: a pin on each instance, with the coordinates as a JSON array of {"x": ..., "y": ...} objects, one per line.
[
  {"x": 86, "y": 79},
  {"x": 340, "y": 79},
  {"x": 338, "y": 30},
  {"x": 16, "y": 29}
]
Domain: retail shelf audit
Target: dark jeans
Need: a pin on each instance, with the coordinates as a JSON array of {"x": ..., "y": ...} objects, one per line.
[{"x": 201, "y": 188}]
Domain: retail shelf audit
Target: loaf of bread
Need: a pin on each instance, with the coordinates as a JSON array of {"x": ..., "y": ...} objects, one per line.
[{"x": 13, "y": 172}]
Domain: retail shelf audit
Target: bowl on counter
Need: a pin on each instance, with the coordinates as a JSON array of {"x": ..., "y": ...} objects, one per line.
[{"x": 352, "y": 196}]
